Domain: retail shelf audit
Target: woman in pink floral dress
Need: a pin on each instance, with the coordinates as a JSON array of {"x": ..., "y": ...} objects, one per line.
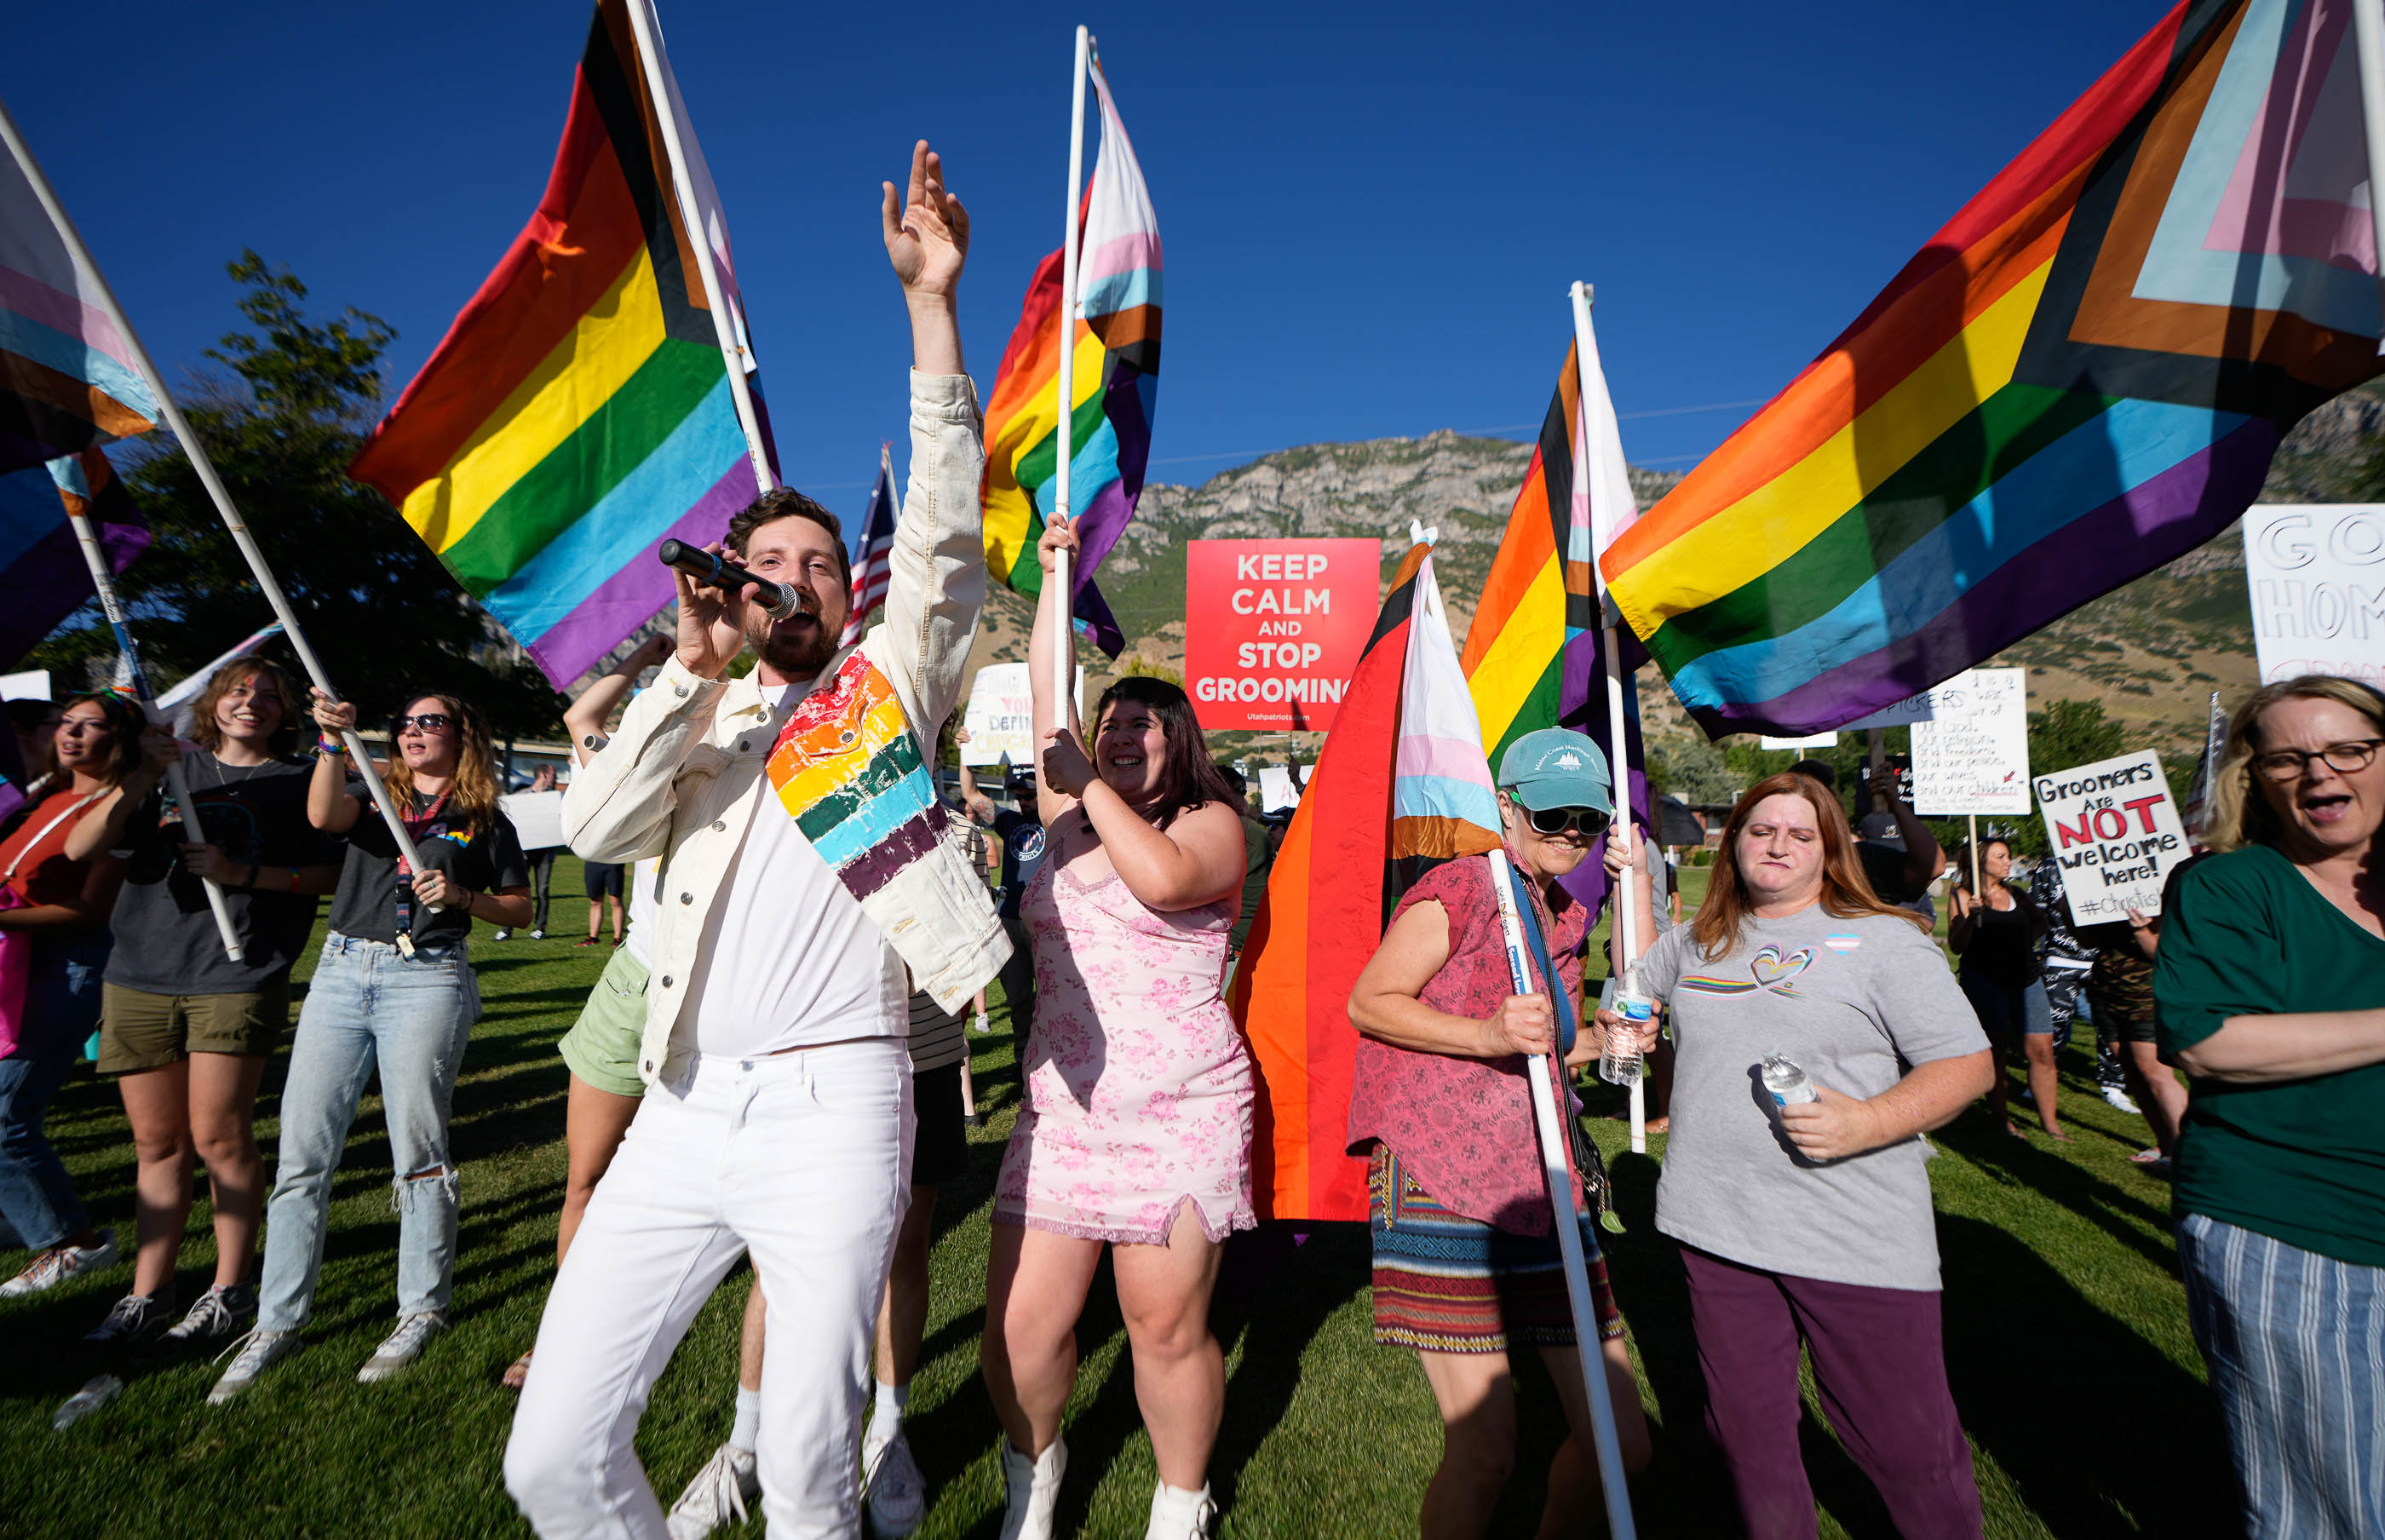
[{"x": 1135, "y": 1128}]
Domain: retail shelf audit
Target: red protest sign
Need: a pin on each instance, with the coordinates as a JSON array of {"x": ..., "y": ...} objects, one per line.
[{"x": 1272, "y": 628}]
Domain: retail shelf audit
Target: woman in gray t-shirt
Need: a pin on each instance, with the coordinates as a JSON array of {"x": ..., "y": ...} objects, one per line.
[{"x": 1812, "y": 1221}]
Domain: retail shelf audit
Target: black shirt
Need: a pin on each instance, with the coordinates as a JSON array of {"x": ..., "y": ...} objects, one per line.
[
  {"x": 1023, "y": 841},
  {"x": 166, "y": 937},
  {"x": 2003, "y": 946},
  {"x": 484, "y": 858}
]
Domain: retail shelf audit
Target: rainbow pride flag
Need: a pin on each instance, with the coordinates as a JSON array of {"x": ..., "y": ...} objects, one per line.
[
  {"x": 579, "y": 410},
  {"x": 43, "y": 578},
  {"x": 1400, "y": 787},
  {"x": 68, "y": 379},
  {"x": 2083, "y": 376},
  {"x": 1114, "y": 388}
]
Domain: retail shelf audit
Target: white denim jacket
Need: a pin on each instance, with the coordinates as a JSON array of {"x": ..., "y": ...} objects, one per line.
[{"x": 683, "y": 779}]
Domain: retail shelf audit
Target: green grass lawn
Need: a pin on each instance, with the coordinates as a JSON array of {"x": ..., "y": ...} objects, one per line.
[{"x": 2066, "y": 1337}]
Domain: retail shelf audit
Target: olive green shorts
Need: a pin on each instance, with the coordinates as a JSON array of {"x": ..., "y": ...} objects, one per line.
[
  {"x": 601, "y": 1047},
  {"x": 140, "y": 1030}
]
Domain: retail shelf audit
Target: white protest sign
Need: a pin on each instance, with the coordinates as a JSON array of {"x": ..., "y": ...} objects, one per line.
[
  {"x": 2317, "y": 576},
  {"x": 1904, "y": 713},
  {"x": 2117, "y": 833},
  {"x": 537, "y": 817},
  {"x": 1279, "y": 793},
  {"x": 1971, "y": 755},
  {"x": 1820, "y": 740},
  {"x": 34, "y": 684},
  {"x": 1001, "y": 715}
]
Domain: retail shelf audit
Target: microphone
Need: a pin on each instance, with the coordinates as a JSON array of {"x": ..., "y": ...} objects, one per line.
[{"x": 778, "y": 600}]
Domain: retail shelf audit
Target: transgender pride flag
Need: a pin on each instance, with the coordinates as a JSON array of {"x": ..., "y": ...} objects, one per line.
[
  {"x": 1400, "y": 787},
  {"x": 1114, "y": 387},
  {"x": 67, "y": 378}
]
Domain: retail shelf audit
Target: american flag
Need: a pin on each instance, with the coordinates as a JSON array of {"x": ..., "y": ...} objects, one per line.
[{"x": 872, "y": 562}]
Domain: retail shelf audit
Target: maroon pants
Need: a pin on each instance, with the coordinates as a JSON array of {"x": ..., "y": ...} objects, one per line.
[{"x": 1880, "y": 1364}]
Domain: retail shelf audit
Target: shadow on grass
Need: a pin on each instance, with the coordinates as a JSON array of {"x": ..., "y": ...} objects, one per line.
[{"x": 2150, "y": 1457}]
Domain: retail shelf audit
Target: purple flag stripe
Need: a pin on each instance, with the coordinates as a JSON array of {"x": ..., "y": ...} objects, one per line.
[
  {"x": 630, "y": 598},
  {"x": 2153, "y": 522}
]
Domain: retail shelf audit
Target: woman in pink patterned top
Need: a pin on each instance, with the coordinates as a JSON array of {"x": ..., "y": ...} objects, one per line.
[
  {"x": 1135, "y": 1128},
  {"x": 1465, "y": 1251}
]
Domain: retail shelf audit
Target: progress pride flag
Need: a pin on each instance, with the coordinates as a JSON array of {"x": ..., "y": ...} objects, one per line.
[{"x": 1272, "y": 628}]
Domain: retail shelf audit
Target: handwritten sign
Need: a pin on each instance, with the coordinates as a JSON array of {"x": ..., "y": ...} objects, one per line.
[
  {"x": 2316, "y": 572},
  {"x": 1001, "y": 715},
  {"x": 2117, "y": 833},
  {"x": 1971, "y": 753}
]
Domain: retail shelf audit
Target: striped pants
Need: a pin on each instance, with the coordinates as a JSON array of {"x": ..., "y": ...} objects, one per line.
[{"x": 2296, "y": 1346}]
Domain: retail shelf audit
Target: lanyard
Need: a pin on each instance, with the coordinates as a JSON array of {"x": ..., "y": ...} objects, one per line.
[{"x": 414, "y": 824}]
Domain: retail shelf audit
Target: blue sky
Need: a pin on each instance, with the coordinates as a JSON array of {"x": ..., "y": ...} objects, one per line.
[{"x": 1371, "y": 213}]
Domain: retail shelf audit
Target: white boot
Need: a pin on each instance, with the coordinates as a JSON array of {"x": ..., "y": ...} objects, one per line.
[
  {"x": 1033, "y": 1487},
  {"x": 1177, "y": 1514}
]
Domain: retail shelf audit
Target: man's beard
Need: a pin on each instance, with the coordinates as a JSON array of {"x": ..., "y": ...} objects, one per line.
[{"x": 795, "y": 657}]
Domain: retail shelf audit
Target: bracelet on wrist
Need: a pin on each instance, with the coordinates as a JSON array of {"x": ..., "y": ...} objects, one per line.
[{"x": 327, "y": 747}]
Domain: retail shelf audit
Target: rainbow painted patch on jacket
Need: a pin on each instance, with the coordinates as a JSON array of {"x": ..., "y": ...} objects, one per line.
[{"x": 847, "y": 769}]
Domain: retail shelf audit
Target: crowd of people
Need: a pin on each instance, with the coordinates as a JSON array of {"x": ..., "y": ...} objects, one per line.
[{"x": 773, "y": 1065}]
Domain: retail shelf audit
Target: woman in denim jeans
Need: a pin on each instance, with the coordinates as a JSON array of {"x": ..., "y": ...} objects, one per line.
[
  {"x": 393, "y": 991},
  {"x": 60, "y": 906}
]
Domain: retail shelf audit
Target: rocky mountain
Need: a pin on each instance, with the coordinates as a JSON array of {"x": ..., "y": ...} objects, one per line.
[{"x": 2149, "y": 651}]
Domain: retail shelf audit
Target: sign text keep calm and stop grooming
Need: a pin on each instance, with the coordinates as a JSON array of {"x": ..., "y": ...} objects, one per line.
[{"x": 1273, "y": 628}]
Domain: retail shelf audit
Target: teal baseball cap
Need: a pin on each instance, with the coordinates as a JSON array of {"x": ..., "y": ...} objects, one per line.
[{"x": 1553, "y": 768}]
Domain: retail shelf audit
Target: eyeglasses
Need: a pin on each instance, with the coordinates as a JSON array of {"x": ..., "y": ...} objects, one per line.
[
  {"x": 427, "y": 722},
  {"x": 2292, "y": 764},
  {"x": 1556, "y": 820}
]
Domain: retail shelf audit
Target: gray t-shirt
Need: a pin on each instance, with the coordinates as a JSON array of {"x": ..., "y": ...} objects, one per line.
[{"x": 1852, "y": 1001}]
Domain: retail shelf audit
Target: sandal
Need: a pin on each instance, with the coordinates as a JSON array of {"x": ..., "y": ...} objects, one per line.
[
  {"x": 2147, "y": 1157},
  {"x": 516, "y": 1373}
]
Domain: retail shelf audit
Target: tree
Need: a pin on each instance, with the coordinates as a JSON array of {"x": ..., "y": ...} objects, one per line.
[{"x": 381, "y": 611}]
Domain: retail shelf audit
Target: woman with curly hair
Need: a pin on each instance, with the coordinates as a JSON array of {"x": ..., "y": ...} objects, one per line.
[
  {"x": 55, "y": 908},
  {"x": 185, "y": 1029},
  {"x": 394, "y": 991}
]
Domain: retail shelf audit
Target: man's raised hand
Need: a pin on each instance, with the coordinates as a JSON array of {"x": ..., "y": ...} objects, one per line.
[{"x": 926, "y": 229}]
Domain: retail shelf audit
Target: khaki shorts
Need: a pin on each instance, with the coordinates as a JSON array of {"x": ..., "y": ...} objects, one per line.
[
  {"x": 140, "y": 1030},
  {"x": 601, "y": 1047}
]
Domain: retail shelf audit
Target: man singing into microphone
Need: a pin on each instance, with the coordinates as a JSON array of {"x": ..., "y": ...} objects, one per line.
[{"x": 803, "y": 878}]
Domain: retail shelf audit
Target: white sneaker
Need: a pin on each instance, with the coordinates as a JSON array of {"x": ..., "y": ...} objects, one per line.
[
  {"x": 1177, "y": 1514},
  {"x": 401, "y": 1347},
  {"x": 260, "y": 1351},
  {"x": 730, "y": 1480},
  {"x": 58, "y": 1264},
  {"x": 2122, "y": 1101},
  {"x": 978, "y": 1023},
  {"x": 897, "y": 1493},
  {"x": 1033, "y": 1489}
]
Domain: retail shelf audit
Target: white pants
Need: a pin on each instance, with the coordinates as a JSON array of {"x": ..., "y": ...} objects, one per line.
[{"x": 801, "y": 1159}]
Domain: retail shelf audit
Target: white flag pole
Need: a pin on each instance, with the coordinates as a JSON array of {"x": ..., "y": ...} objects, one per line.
[
  {"x": 1543, "y": 1076},
  {"x": 1626, "y": 930},
  {"x": 646, "y": 29},
  {"x": 1066, "y": 652},
  {"x": 64, "y": 224},
  {"x": 177, "y": 782},
  {"x": 2368, "y": 46}
]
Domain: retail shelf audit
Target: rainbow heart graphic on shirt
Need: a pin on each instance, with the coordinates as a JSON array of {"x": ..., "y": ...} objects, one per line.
[{"x": 1769, "y": 969}]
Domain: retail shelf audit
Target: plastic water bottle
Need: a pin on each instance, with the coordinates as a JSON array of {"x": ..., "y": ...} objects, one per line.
[
  {"x": 1622, "y": 1062},
  {"x": 101, "y": 1390},
  {"x": 1786, "y": 1081}
]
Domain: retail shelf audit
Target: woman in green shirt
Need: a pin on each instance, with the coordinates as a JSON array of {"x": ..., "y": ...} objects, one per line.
[{"x": 2269, "y": 992}]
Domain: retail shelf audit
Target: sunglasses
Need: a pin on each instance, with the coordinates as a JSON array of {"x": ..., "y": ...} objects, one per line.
[
  {"x": 427, "y": 722},
  {"x": 1556, "y": 820}
]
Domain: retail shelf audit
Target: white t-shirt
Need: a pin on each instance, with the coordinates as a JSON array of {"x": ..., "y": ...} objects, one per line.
[
  {"x": 789, "y": 959},
  {"x": 638, "y": 939}
]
